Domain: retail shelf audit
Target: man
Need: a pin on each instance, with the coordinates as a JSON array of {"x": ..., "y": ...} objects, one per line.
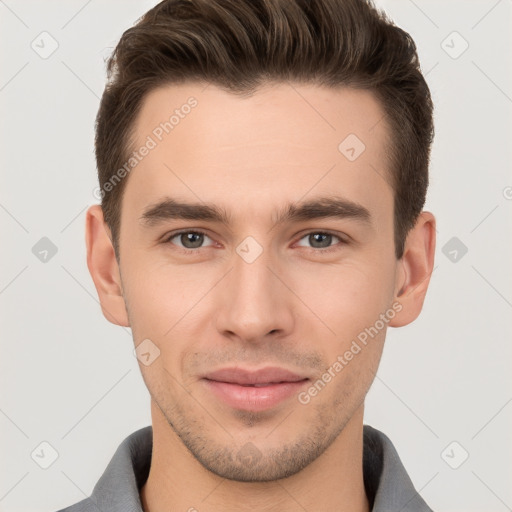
[{"x": 263, "y": 166}]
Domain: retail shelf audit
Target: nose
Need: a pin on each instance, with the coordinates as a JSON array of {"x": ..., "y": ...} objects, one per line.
[{"x": 254, "y": 301}]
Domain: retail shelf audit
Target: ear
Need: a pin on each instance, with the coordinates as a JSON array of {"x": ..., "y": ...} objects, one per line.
[
  {"x": 103, "y": 267},
  {"x": 414, "y": 269}
]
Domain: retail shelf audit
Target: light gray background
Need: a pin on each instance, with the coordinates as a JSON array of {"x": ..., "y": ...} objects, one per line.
[{"x": 69, "y": 378}]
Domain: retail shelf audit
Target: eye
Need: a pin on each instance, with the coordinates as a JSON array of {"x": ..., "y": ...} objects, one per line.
[
  {"x": 321, "y": 240},
  {"x": 188, "y": 239}
]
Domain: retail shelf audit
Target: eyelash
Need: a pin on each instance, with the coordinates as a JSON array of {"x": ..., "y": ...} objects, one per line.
[{"x": 332, "y": 248}]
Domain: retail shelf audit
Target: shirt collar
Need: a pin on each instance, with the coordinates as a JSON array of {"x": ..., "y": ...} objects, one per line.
[{"x": 387, "y": 483}]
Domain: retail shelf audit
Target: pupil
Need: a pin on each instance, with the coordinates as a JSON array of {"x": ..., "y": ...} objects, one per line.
[
  {"x": 191, "y": 240},
  {"x": 325, "y": 239}
]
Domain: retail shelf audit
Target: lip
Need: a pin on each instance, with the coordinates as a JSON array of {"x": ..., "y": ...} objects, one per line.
[
  {"x": 271, "y": 374},
  {"x": 255, "y": 390}
]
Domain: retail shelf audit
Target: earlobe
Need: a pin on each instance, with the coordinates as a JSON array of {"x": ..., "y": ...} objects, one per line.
[
  {"x": 415, "y": 269},
  {"x": 103, "y": 267}
]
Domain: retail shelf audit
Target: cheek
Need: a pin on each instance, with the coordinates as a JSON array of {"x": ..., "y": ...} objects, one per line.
[
  {"x": 166, "y": 306},
  {"x": 159, "y": 296},
  {"x": 348, "y": 297}
]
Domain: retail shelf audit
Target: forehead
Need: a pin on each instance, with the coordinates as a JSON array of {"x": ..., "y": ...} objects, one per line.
[
  {"x": 211, "y": 145},
  {"x": 309, "y": 112}
]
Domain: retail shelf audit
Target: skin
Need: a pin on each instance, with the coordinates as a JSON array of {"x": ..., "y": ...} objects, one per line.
[{"x": 294, "y": 307}]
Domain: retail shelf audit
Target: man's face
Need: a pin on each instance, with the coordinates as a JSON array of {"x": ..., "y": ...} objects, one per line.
[{"x": 253, "y": 293}]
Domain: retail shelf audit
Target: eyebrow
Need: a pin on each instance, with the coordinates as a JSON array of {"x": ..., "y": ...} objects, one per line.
[{"x": 318, "y": 208}]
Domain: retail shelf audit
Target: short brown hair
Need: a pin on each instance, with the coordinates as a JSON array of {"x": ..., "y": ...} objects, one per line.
[{"x": 239, "y": 45}]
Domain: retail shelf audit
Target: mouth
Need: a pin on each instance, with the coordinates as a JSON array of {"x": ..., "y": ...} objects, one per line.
[
  {"x": 256, "y": 390},
  {"x": 262, "y": 376}
]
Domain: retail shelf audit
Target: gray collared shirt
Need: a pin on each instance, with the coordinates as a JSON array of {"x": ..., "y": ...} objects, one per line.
[{"x": 387, "y": 484}]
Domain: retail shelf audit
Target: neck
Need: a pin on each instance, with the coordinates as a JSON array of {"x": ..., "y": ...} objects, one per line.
[{"x": 177, "y": 481}]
